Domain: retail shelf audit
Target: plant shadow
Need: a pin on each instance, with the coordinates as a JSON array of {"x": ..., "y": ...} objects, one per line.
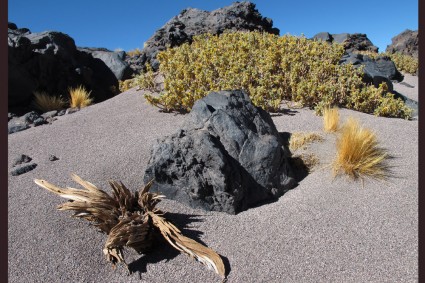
[
  {"x": 162, "y": 250},
  {"x": 284, "y": 111}
]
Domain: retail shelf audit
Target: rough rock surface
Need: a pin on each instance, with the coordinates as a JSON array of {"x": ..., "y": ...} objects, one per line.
[
  {"x": 49, "y": 61},
  {"x": 115, "y": 60},
  {"x": 406, "y": 43},
  {"x": 376, "y": 71},
  {"x": 227, "y": 156},
  {"x": 352, "y": 42},
  {"x": 240, "y": 16}
]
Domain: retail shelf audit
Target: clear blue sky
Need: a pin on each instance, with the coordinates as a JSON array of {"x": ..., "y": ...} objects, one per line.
[{"x": 127, "y": 24}]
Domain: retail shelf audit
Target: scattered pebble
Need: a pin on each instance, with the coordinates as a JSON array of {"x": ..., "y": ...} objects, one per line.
[
  {"x": 53, "y": 158},
  {"x": 24, "y": 169},
  {"x": 21, "y": 159}
]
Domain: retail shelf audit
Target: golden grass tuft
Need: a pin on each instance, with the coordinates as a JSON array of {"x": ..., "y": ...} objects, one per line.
[
  {"x": 330, "y": 119},
  {"x": 79, "y": 97},
  {"x": 359, "y": 154},
  {"x": 45, "y": 103},
  {"x": 301, "y": 139}
]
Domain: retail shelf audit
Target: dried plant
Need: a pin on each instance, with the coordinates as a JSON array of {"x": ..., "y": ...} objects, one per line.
[
  {"x": 301, "y": 139},
  {"x": 80, "y": 97},
  {"x": 45, "y": 103},
  {"x": 330, "y": 119},
  {"x": 129, "y": 220},
  {"x": 358, "y": 153}
]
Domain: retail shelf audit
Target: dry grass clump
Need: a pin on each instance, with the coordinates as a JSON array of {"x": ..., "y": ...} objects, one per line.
[
  {"x": 130, "y": 220},
  {"x": 359, "y": 154},
  {"x": 134, "y": 52},
  {"x": 309, "y": 160},
  {"x": 80, "y": 97},
  {"x": 301, "y": 139},
  {"x": 330, "y": 119},
  {"x": 45, "y": 103}
]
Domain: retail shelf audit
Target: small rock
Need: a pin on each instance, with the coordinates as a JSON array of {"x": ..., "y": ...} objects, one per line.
[
  {"x": 21, "y": 159},
  {"x": 53, "y": 158},
  {"x": 30, "y": 117},
  {"x": 49, "y": 114},
  {"x": 72, "y": 110},
  {"x": 10, "y": 116},
  {"x": 62, "y": 112},
  {"x": 24, "y": 169},
  {"x": 39, "y": 121},
  {"x": 16, "y": 126}
]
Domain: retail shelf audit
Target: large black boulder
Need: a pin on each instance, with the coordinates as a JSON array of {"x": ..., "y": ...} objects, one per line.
[
  {"x": 50, "y": 62},
  {"x": 227, "y": 157},
  {"x": 375, "y": 71},
  {"x": 115, "y": 60},
  {"x": 239, "y": 16}
]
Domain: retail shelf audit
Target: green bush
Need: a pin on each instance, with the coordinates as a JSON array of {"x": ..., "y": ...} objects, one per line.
[{"x": 270, "y": 68}]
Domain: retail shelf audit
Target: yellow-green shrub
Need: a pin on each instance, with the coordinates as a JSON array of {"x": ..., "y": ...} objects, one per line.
[{"x": 270, "y": 68}]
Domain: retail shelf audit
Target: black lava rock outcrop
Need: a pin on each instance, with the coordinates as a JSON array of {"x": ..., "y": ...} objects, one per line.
[
  {"x": 375, "y": 71},
  {"x": 406, "y": 43},
  {"x": 115, "y": 60},
  {"x": 227, "y": 157},
  {"x": 240, "y": 16},
  {"x": 351, "y": 42},
  {"x": 49, "y": 61}
]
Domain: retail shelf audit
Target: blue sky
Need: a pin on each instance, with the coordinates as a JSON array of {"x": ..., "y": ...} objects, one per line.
[{"x": 127, "y": 24}]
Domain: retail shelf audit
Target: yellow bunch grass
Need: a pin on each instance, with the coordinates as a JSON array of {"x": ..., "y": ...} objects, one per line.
[
  {"x": 45, "y": 103},
  {"x": 79, "y": 97},
  {"x": 330, "y": 119},
  {"x": 358, "y": 153}
]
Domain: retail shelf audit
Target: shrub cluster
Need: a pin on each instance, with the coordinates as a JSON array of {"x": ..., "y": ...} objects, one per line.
[{"x": 270, "y": 68}]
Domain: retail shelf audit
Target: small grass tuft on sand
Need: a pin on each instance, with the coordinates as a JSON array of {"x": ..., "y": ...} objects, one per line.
[
  {"x": 301, "y": 139},
  {"x": 45, "y": 103},
  {"x": 330, "y": 119},
  {"x": 80, "y": 97},
  {"x": 359, "y": 154}
]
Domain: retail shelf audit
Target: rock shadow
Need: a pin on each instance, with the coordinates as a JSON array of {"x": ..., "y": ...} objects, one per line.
[{"x": 299, "y": 168}]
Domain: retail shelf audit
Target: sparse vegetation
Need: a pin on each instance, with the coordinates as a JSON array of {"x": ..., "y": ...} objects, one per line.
[
  {"x": 359, "y": 154},
  {"x": 300, "y": 140},
  {"x": 45, "y": 103},
  {"x": 270, "y": 68},
  {"x": 79, "y": 97},
  {"x": 330, "y": 119}
]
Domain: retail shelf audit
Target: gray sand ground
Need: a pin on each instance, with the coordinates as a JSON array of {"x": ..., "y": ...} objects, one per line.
[{"x": 324, "y": 230}]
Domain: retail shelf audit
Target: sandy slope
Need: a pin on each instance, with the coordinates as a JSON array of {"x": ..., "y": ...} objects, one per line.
[{"x": 324, "y": 230}]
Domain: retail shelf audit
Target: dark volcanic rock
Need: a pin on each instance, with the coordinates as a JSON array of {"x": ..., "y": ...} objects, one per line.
[
  {"x": 375, "y": 71},
  {"x": 21, "y": 159},
  {"x": 351, "y": 42},
  {"x": 406, "y": 43},
  {"x": 114, "y": 60},
  {"x": 227, "y": 156},
  {"x": 49, "y": 61},
  {"x": 240, "y": 16},
  {"x": 23, "y": 169}
]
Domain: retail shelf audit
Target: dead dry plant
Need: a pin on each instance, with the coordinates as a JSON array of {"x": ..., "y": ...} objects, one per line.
[
  {"x": 301, "y": 139},
  {"x": 359, "y": 154},
  {"x": 330, "y": 119},
  {"x": 129, "y": 220}
]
